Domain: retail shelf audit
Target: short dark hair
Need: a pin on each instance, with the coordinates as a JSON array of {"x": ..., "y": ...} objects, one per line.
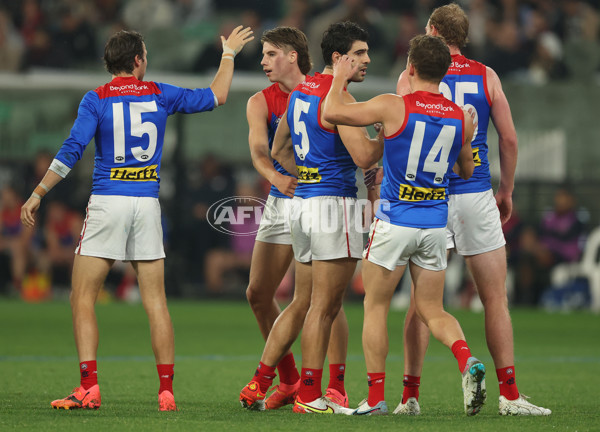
[
  {"x": 452, "y": 24},
  {"x": 430, "y": 57},
  {"x": 120, "y": 51},
  {"x": 339, "y": 37},
  {"x": 291, "y": 39}
]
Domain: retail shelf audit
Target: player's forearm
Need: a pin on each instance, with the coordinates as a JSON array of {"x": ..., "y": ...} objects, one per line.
[
  {"x": 264, "y": 165},
  {"x": 50, "y": 180},
  {"x": 287, "y": 161},
  {"x": 334, "y": 102},
  {"x": 222, "y": 81},
  {"x": 508, "y": 151}
]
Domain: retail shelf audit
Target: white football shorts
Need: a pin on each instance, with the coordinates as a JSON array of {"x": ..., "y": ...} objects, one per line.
[
  {"x": 122, "y": 228},
  {"x": 274, "y": 224},
  {"x": 474, "y": 225},
  {"x": 392, "y": 245},
  {"x": 326, "y": 228}
]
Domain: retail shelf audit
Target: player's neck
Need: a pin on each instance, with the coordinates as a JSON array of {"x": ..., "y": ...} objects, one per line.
[
  {"x": 454, "y": 50},
  {"x": 426, "y": 86},
  {"x": 290, "y": 82}
]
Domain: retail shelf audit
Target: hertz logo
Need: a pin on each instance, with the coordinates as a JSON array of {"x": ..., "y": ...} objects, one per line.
[
  {"x": 411, "y": 193},
  {"x": 135, "y": 174},
  {"x": 476, "y": 158},
  {"x": 308, "y": 175}
]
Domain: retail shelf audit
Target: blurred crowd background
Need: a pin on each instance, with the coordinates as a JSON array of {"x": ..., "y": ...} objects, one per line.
[{"x": 546, "y": 52}]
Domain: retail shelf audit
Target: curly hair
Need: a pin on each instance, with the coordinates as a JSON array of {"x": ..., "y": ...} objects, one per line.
[{"x": 339, "y": 37}]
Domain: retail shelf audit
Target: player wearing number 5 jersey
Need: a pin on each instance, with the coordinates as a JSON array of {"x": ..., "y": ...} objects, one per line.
[
  {"x": 425, "y": 134},
  {"x": 475, "y": 218},
  {"x": 127, "y": 118},
  {"x": 326, "y": 237}
]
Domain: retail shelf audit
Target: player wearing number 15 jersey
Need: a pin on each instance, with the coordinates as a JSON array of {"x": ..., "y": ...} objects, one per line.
[
  {"x": 425, "y": 134},
  {"x": 475, "y": 216},
  {"x": 127, "y": 118}
]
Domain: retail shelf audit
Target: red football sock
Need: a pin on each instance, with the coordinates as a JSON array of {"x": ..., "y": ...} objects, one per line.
[
  {"x": 376, "y": 388},
  {"x": 89, "y": 374},
  {"x": 166, "y": 373},
  {"x": 310, "y": 384},
  {"x": 508, "y": 382},
  {"x": 461, "y": 351},
  {"x": 264, "y": 376},
  {"x": 336, "y": 377},
  {"x": 288, "y": 373},
  {"x": 411, "y": 387}
]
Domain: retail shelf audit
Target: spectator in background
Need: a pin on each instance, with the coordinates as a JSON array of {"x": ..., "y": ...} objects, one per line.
[
  {"x": 235, "y": 258},
  {"x": 148, "y": 15},
  {"x": 213, "y": 182},
  {"x": 74, "y": 43},
  {"x": 558, "y": 239},
  {"x": 61, "y": 235},
  {"x": 561, "y": 231},
  {"x": 35, "y": 34},
  {"x": 14, "y": 238},
  {"x": 11, "y": 44}
]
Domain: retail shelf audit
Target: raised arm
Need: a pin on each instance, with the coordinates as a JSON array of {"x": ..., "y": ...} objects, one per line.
[
  {"x": 221, "y": 84},
  {"x": 283, "y": 151},
  {"x": 507, "y": 144},
  {"x": 258, "y": 139}
]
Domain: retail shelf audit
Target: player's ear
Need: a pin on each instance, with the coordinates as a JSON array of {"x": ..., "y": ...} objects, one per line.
[
  {"x": 293, "y": 56},
  {"x": 335, "y": 57}
]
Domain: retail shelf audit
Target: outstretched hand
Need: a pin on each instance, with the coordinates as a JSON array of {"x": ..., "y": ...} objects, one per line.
[
  {"x": 345, "y": 67},
  {"x": 239, "y": 37}
]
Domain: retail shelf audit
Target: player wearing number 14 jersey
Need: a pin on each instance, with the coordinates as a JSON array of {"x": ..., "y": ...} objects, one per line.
[
  {"x": 127, "y": 118},
  {"x": 475, "y": 215},
  {"x": 425, "y": 134}
]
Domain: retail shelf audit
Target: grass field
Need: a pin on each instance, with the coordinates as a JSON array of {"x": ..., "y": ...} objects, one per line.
[{"x": 218, "y": 347}]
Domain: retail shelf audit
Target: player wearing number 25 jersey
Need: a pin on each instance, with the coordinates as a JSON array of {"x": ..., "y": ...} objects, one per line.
[
  {"x": 127, "y": 118},
  {"x": 466, "y": 85}
]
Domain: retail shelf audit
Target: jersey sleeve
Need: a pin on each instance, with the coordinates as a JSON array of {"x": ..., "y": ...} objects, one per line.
[
  {"x": 188, "y": 101},
  {"x": 82, "y": 132}
]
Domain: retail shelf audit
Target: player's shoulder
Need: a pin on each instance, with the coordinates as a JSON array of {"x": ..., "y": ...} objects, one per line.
[
  {"x": 257, "y": 104},
  {"x": 463, "y": 65}
]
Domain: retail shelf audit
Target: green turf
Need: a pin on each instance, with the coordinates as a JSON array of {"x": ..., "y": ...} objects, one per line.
[{"x": 218, "y": 347}]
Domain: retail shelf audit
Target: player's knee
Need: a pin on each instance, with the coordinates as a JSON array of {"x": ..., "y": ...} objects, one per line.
[{"x": 256, "y": 297}]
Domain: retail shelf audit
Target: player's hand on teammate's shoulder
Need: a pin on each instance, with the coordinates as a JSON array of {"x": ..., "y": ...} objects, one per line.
[
  {"x": 238, "y": 38},
  {"x": 286, "y": 184}
]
